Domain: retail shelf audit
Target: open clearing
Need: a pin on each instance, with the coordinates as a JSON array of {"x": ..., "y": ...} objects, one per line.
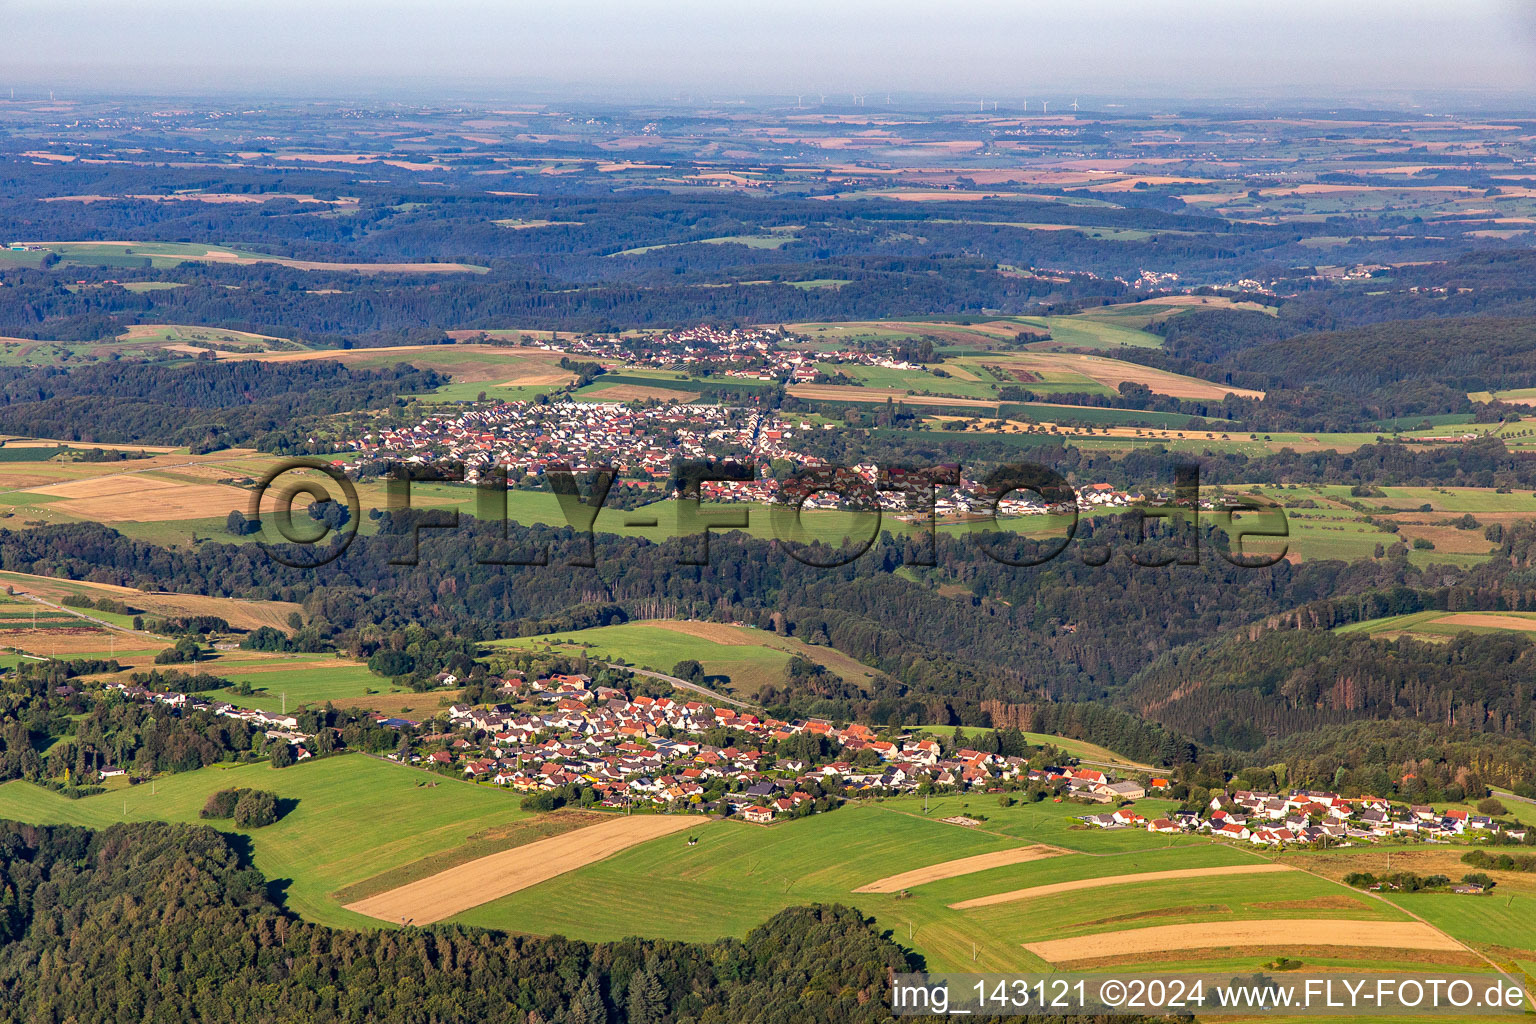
[
  {"x": 956, "y": 868},
  {"x": 1269, "y": 934},
  {"x": 459, "y": 888},
  {"x": 1098, "y": 883}
]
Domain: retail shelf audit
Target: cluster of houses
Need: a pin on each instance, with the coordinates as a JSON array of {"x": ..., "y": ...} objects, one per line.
[
  {"x": 644, "y": 444},
  {"x": 632, "y": 750},
  {"x": 637, "y": 750},
  {"x": 528, "y": 438},
  {"x": 1305, "y": 816},
  {"x": 750, "y": 353},
  {"x": 273, "y": 725}
]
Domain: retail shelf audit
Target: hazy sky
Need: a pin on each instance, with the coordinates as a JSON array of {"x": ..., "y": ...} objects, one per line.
[{"x": 1348, "y": 49}]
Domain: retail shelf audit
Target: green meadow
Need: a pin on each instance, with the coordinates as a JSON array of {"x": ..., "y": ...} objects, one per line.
[
  {"x": 659, "y": 649},
  {"x": 739, "y": 874},
  {"x": 355, "y": 816},
  {"x": 275, "y": 687},
  {"x": 747, "y": 659}
]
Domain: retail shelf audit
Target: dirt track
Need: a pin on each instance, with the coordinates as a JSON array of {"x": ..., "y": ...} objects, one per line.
[
  {"x": 955, "y": 868},
  {"x": 1098, "y": 883},
  {"x": 450, "y": 892},
  {"x": 1267, "y": 934}
]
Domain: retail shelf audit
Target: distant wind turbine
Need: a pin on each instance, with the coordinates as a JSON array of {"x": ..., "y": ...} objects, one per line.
[
  {"x": 1074, "y": 106},
  {"x": 1045, "y": 106}
]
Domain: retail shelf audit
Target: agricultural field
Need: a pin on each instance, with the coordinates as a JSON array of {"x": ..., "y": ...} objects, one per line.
[
  {"x": 1095, "y": 891},
  {"x": 290, "y": 682},
  {"x": 1438, "y": 625},
  {"x": 362, "y": 828},
  {"x": 354, "y": 817},
  {"x": 506, "y": 372},
  {"x": 737, "y": 660},
  {"x": 1090, "y": 753}
]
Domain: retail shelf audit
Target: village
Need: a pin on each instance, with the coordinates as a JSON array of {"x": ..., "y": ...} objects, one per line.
[
  {"x": 567, "y": 734},
  {"x": 748, "y": 353},
  {"x": 1306, "y": 817},
  {"x": 643, "y": 444}
]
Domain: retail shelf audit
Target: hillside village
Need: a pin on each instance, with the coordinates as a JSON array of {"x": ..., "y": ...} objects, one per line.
[{"x": 567, "y": 734}]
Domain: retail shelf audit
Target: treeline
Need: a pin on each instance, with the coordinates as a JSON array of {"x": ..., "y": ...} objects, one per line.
[
  {"x": 1409, "y": 761},
  {"x": 206, "y": 405},
  {"x": 1346, "y": 378},
  {"x": 1243, "y": 690}
]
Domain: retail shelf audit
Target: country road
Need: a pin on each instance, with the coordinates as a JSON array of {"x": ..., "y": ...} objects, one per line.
[
  {"x": 88, "y": 618},
  {"x": 685, "y": 685}
]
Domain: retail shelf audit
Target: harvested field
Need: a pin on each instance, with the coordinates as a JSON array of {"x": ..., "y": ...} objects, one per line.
[
  {"x": 1489, "y": 619},
  {"x": 60, "y": 640},
  {"x": 1266, "y": 934},
  {"x": 1232, "y": 954},
  {"x": 1112, "y": 372},
  {"x": 1107, "y": 880},
  {"x": 468, "y": 885},
  {"x": 636, "y": 392},
  {"x": 492, "y": 840},
  {"x": 956, "y": 868},
  {"x": 139, "y": 498},
  {"x": 467, "y": 363},
  {"x": 292, "y": 665},
  {"x": 851, "y": 393},
  {"x": 400, "y": 703},
  {"x": 715, "y": 632},
  {"x": 241, "y": 614},
  {"x": 532, "y": 379}
]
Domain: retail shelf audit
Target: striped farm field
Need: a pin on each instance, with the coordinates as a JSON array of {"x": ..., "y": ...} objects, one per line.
[
  {"x": 363, "y": 829},
  {"x": 1268, "y": 934},
  {"x": 1037, "y": 891},
  {"x": 956, "y": 868},
  {"x": 468, "y": 885}
]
